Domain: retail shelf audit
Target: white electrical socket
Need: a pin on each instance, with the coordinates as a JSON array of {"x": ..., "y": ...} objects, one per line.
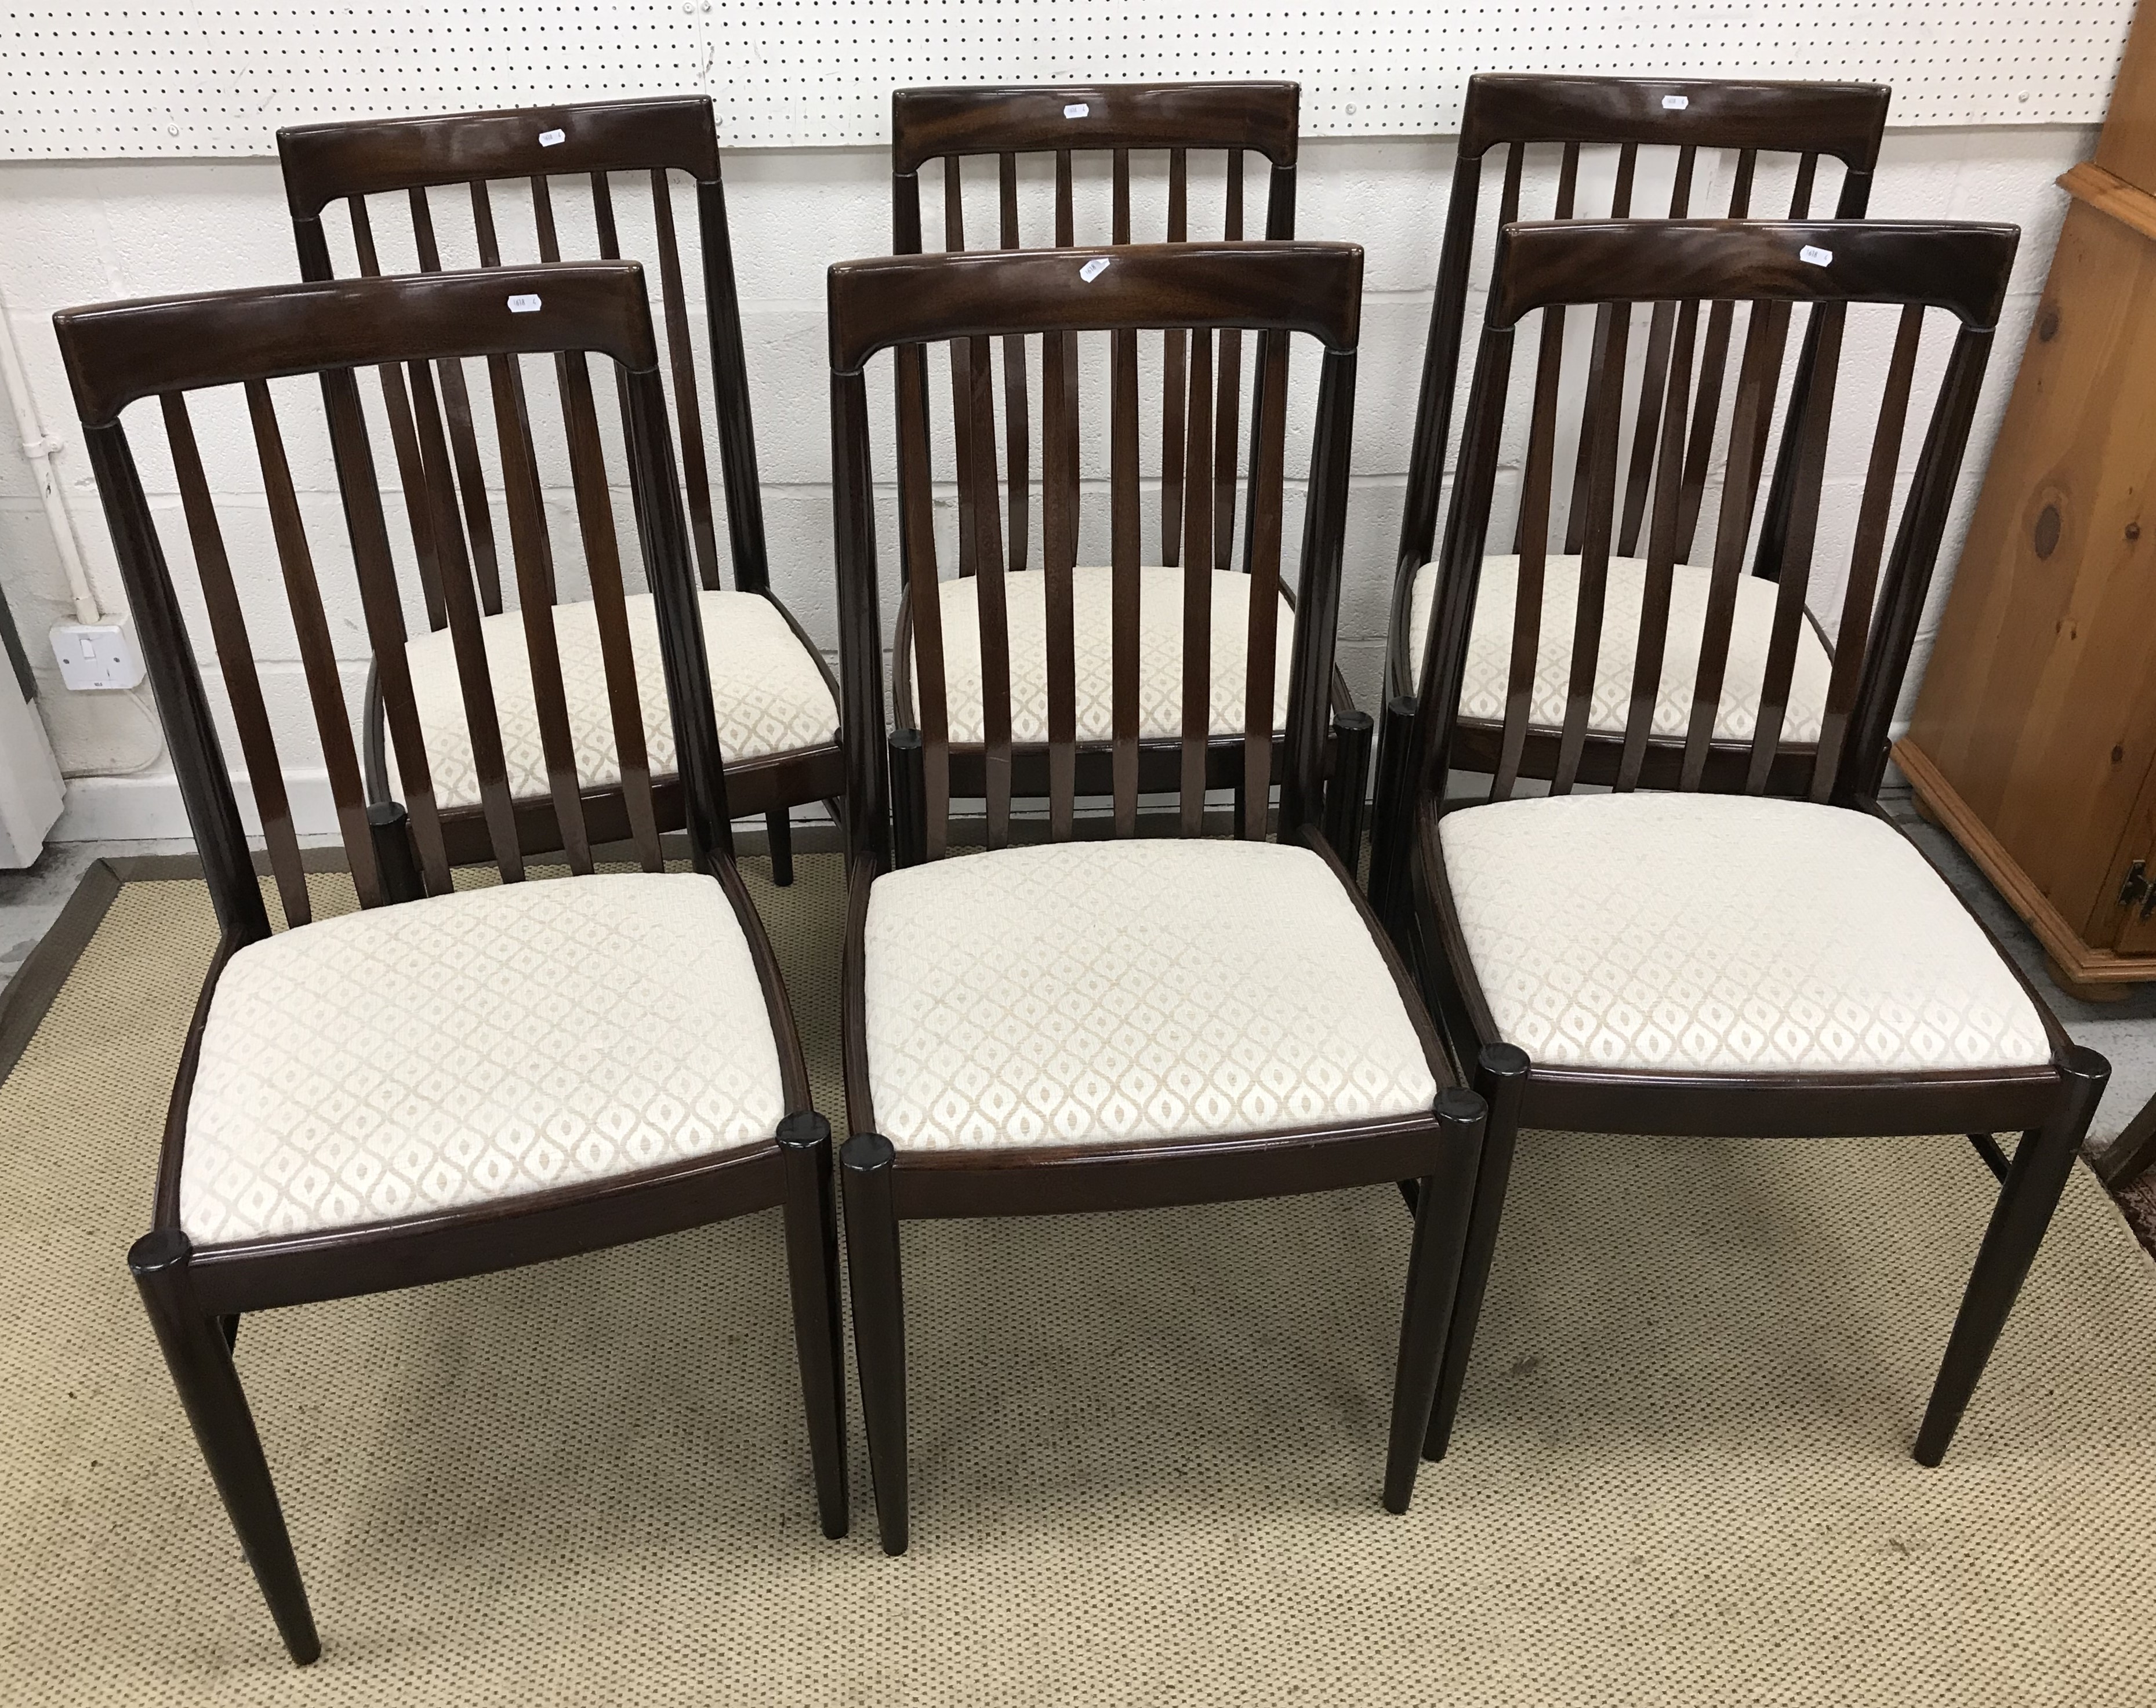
[{"x": 95, "y": 655}]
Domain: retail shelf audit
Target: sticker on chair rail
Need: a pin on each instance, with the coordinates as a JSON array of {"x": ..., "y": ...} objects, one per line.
[
  {"x": 1675, "y": 103},
  {"x": 1077, "y": 110},
  {"x": 1818, "y": 257},
  {"x": 547, "y": 138},
  {"x": 524, "y": 305},
  {"x": 1093, "y": 269}
]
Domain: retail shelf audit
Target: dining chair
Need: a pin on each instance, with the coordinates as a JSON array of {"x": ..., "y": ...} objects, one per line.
[
  {"x": 1066, "y": 130},
  {"x": 1678, "y": 147},
  {"x": 452, "y": 1079},
  {"x": 1731, "y": 939},
  {"x": 1096, "y": 1020},
  {"x": 614, "y": 168}
]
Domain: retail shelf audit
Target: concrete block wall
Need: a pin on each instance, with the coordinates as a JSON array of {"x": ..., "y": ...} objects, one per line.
[{"x": 79, "y": 232}]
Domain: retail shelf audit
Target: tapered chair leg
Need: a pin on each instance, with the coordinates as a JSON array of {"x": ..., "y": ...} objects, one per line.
[
  {"x": 1391, "y": 813},
  {"x": 200, "y": 1359},
  {"x": 778, "y": 834},
  {"x": 2037, "y": 1177},
  {"x": 879, "y": 1324},
  {"x": 1440, "y": 1239},
  {"x": 812, "y": 1262},
  {"x": 1501, "y": 1076}
]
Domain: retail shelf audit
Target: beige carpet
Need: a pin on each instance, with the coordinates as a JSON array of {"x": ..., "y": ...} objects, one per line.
[{"x": 1146, "y": 1453}]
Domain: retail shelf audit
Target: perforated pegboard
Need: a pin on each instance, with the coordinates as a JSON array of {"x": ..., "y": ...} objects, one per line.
[{"x": 114, "y": 80}]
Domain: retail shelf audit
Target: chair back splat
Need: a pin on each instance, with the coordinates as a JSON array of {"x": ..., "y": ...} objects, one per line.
[
  {"x": 343, "y": 571},
  {"x": 1159, "y": 728},
  {"x": 1866, "y": 290}
]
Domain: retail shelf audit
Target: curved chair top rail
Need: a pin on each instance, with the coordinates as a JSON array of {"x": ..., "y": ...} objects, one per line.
[
  {"x": 1961, "y": 268},
  {"x": 1844, "y": 120},
  {"x": 117, "y": 352},
  {"x": 1693, "y": 277},
  {"x": 371, "y": 156},
  {"x": 928, "y": 124},
  {"x": 1315, "y": 288}
]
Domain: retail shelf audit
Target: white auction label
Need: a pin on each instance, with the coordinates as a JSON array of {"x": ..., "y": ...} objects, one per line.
[
  {"x": 1093, "y": 269},
  {"x": 547, "y": 138},
  {"x": 526, "y": 304},
  {"x": 1675, "y": 103},
  {"x": 1817, "y": 257},
  {"x": 1076, "y": 110}
]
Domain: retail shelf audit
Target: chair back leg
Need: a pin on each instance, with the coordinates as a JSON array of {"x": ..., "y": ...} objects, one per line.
[
  {"x": 200, "y": 1358},
  {"x": 2033, "y": 1183},
  {"x": 812, "y": 1264},
  {"x": 879, "y": 1324},
  {"x": 778, "y": 833}
]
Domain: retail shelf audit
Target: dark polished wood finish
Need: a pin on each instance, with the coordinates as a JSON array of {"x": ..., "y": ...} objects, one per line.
[
  {"x": 638, "y": 148},
  {"x": 121, "y": 353},
  {"x": 1267, "y": 290},
  {"x": 1515, "y": 113},
  {"x": 1959, "y": 271}
]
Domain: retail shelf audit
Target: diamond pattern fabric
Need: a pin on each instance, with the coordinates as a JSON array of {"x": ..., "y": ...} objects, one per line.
[
  {"x": 1726, "y": 934},
  {"x": 1160, "y": 654},
  {"x": 472, "y": 1047},
  {"x": 1086, "y": 992},
  {"x": 1490, "y": 649},
  {"x": 767, "y": 689}
]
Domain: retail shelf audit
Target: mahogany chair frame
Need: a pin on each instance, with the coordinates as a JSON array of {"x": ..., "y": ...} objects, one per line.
[
  {"x": 1276, "y": 289},
  {"x": 1841, "y": 121},
  {"x": 118, "y": 353},
  {"x": 1961, "y": 269},
  {"x": 349, "y": 161},
  {"x": 1237, "y": 119}
]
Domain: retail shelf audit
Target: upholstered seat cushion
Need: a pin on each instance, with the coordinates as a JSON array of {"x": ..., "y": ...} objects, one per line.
[
  {"x": 1085, "y": 993},
  {"x": 1724, "y": 934},
  {"x": 766, "y": 688},
  {"x": 472, "y": 1047},
  {"x": 1490, "y": 649},
  {"x": 1160, "y": 653}
]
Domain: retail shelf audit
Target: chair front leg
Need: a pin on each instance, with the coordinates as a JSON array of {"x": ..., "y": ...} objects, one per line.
[
  {"x": 1501, "y": 1077},
  {"x": 200, "y": 1358},
  {"x": 2034, "y": 1183},
  {"x": 1446, "y": 1196},
  {"x": 879, "y": 1324},
  {"x": 812, "y": 1263},
  {"x": 778, "y": 835}
]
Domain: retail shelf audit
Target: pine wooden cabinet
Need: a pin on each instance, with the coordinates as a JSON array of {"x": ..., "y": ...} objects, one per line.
[{"x": 2033, "y": 741}]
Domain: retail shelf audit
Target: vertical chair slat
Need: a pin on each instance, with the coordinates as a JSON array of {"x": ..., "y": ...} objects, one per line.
[
  {"x": 1568, "y": 188},
  {"x": 1655, "y": 367},
  {"x": 377, "y": 572},
  {"x": 1123, "y": 576},
  {"x": 1599, "y": 373},
  {"x": 1600, "y": 433},
  {"x": 317, "y": 652},
  {"x": 994, "y": 605},
  {"x": 1173, "y": 342},
  {"x": 1198, "y": 589},
  {"x": 1661, "y": 554},
  {"x": 1017, "y": 410},
  {"x": 1058, "y": 482},
  {"x": 235, "y": 657},
  {"x": 1264, "y": 568},
  {"x": 403, "y": 436},
  {"x": 976, "y": 449},
  {"x": 1714, "y": 360},
  {"x": 1766, "y": 562},
  {"x": 527, "y": 459},
  {"x": 923, "y": 593},
  {"x": 681, "y": 368},
  {"x": 1757, "y": 373},
  {"x": 1533, "y": 547},
  {"x": 608, "y": 231},
  {"x": 1823, "y": 353},
  {"x": 463, "y": 442},
  {"x": 1229, "y": 394},
  {"x": 1855, "y": 631}
]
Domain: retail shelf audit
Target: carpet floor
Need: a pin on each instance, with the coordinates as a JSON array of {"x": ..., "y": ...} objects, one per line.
[{"x": 1146, "y": 1448}]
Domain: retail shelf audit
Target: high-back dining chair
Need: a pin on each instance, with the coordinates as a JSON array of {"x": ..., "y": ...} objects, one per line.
[
  {"x": 1063, "y": 130},
  {"x": 548, "y": 176},
  {"x": 1745, "y": 947},
  {"x": 1661, "y": 147},
  {"x": 451, "y": 1080},
  {"x": 1108, "y": 1023}
]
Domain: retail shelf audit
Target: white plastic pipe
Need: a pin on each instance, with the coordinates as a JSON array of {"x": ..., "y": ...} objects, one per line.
[{"x": 40, "y": 447}]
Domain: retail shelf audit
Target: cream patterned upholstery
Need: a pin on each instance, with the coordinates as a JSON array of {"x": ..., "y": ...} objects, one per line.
[
  {"x": 1160, "y": 654},
  {"x": 472, "y": 1047},
  {"x": 767, "y": 689},
  {"x": 1490, "y": 649},
  {"x": 1726, "y": 934},
  {"x": 1085, "y": 993}
]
